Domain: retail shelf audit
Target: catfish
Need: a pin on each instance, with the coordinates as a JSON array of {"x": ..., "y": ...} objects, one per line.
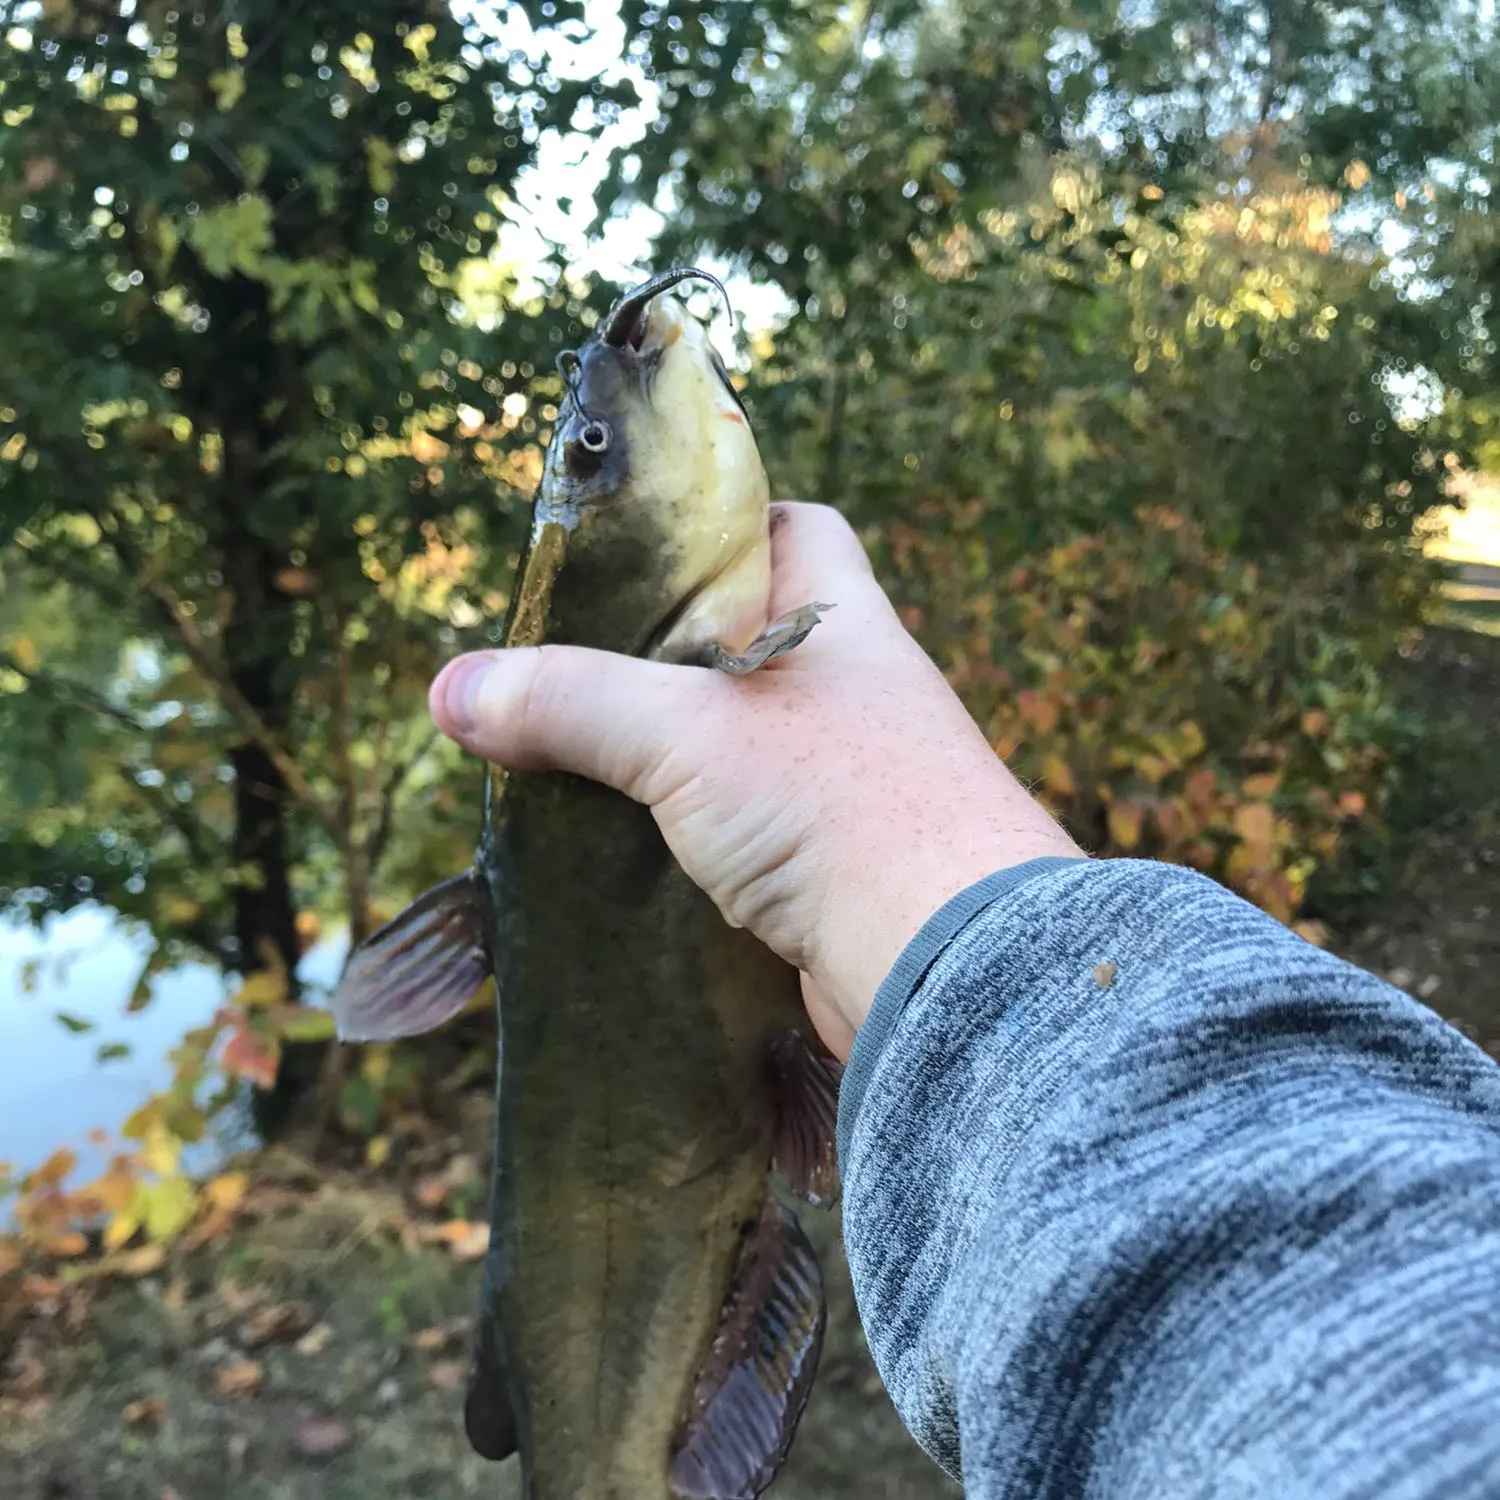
[{"x": 651, "y": 1313}]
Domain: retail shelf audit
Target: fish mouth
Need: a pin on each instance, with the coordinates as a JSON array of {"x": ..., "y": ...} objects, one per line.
[{"x": 631, "y": 324}]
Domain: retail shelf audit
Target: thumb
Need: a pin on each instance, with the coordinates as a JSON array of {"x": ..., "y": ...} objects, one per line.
[{"x": 608, "y": 717}]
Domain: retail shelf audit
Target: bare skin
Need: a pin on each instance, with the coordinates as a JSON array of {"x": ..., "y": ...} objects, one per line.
[{"x": 829, "y": 803}]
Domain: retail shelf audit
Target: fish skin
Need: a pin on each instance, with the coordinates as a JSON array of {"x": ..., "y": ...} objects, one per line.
[{"x": 637, "y": 1092}]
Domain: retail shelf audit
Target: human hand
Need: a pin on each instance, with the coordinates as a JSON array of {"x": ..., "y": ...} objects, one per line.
[{"x": 830, "y": 802}]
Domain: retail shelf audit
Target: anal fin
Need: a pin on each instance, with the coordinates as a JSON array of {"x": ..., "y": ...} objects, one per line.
[
  {"x": 804, "y": 1143},
  {"x": 754, "y": 1385},
  {"x": 417, "y": 971}
]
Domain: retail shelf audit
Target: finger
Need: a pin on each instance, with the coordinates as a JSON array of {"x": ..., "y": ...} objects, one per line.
[
  {"x": 611, "y": 718},
  {"x": 816, "y": 555}
]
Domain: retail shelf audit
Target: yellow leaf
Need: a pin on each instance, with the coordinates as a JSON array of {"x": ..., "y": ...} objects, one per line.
[
  {"x": 24, "y": 653},
  {"x": 228, "y": 87},
  {"x": 378, "y": 1152},
  {"x": 169, "y": 1207},
  {"x": 120, "y": 1230},
  {"x": 227, "y": 1190},
  {"x": 138, "y": 1125},
  {"x": 1057, "y": 777},
  {"x": 263, "y": 988},
  {"x": 161, "y": 1150},
  {"x": 1125, "y": 825},
  {"x": 1190, "y": 739},
  {"x": 1263, "y": 786}
]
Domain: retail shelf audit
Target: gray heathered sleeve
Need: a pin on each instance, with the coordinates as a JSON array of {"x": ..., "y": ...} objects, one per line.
[{"x": 1226, "y": 1225}]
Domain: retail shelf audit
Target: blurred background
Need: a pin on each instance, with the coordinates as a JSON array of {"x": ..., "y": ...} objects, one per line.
[{"x": 1150, "y": 346}]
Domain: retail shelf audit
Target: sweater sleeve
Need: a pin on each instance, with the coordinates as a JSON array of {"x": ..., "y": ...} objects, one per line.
[{"x": 1147, "y": 1197}]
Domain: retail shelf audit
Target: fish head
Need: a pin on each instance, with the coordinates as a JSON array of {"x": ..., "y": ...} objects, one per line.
[{"x": 656, "y": 484}]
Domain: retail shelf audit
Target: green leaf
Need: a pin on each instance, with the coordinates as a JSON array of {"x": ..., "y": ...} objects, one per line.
[
  {"x": 112, "y": 1052},
  {"x": 75, "y": 1024}
]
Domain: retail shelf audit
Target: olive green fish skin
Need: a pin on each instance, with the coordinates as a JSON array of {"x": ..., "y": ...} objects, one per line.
[
  {"x": 635, "y": 1093},
  {"x": 632, "y": 1131}
]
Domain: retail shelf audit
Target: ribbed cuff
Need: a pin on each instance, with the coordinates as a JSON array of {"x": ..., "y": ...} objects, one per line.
[{"x": 912, "y": 967}]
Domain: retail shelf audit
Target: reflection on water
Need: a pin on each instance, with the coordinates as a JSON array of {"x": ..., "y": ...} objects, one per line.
[{"x": 53, "y": 1090}]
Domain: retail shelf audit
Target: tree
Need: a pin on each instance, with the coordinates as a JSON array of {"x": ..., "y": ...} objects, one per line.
[{"x": 252, "y": 460}]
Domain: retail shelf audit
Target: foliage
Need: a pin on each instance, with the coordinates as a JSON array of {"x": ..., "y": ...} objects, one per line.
[
  {"x": 1141, "y": 342},
  {"x": 252, "y": 467}
]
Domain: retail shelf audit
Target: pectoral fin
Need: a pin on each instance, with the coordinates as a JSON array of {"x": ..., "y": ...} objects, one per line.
[
  {"x": 804, "y": 1143},
  {"x": 417, "y": 971},
  {"x": 779, "y": 637},
  {"x": 751, "y": 1392}
]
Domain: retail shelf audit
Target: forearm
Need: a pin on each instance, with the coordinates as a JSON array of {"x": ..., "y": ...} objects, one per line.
[{"x": 1145, "y": 1196}]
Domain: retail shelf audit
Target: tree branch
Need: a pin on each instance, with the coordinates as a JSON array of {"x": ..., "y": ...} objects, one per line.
[{"x": 394, "y": 781}]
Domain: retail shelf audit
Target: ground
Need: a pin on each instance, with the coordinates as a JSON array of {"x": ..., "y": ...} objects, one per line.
[
  {"x": 317, "y": 1356},
  {"x": 319, "y": 1352}
]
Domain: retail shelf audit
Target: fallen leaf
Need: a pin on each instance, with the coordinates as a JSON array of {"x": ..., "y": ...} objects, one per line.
[
  {"x": 447, "y": 1374},
  {"x": 277, "y": 1325},
  {"x": 140, "y": 1262},
  {"x": 226, "y": 1190},
  {"x": 320, "y": 1437},
  {"x": 431, "y": 1191},
  {"x": 430, "y": 1340},
  {"x": 315, "y": 1340},
  {"x": 468, "y": 1239},
  {"x": 240, "y": 1378},
  {"x": 1104, "y": 974},
  {"x": 143, "y": 1413}
]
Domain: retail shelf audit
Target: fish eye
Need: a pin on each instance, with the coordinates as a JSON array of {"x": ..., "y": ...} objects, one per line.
[{"x": 595, "y": 436}]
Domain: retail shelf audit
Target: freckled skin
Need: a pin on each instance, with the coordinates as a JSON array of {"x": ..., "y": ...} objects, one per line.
[{"x": 634, "y": 1096}]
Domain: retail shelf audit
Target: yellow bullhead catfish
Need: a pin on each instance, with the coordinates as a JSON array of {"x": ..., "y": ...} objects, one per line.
[{"x": 651, "y": 1315}]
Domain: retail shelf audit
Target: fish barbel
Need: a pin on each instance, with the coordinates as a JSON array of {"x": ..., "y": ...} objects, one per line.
[{"x": 651, "y": 1314}]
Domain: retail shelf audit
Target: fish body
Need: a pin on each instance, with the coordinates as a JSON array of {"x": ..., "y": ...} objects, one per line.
[{"x": 651, "y": 1315}]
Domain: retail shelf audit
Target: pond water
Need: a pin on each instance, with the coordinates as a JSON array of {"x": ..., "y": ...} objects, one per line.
[{"x": 53, "y": 1088}]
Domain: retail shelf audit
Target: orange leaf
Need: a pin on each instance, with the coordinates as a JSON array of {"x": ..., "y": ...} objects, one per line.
[
  {"x": 1314, "y": 723},
  {"x": 141, "y": 1261},
  {"x": 54, "y": 1169},
  {"x": 67, "y": 1245},
  {"x": 1261, "y": 787},
  {"x": 1253, "y": 823},
  {"x": 1351, "y": 804},
  {"x": 468, "y": 1239},
  {"x": 227, "y": 1190},
  {"x": 10, "y": 1255},
  {"x": 1040, "y": 710},
  {"x": 240, "y": 1378},
  {"x": 252, "y": 1056},
  {"x": 141, "y": 1412}
]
